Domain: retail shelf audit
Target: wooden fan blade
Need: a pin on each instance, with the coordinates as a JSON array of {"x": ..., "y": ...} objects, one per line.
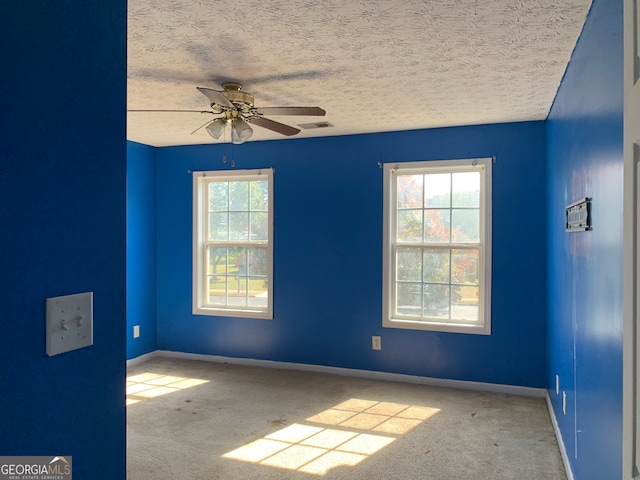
[
  {"x": 216, "y": 97},
  {"x": 310, "y": 111},
  {"x": 169, "y": 111},
  {"x": 273, "y": 125}
]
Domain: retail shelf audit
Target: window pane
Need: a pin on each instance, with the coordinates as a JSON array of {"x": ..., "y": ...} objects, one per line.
[
  {"x": 436, "y": 265},
  {"x": 437, "y": 190},
  {"x": 239, "y": 223},
  {"x": 409, "y": 191},
  {"x": 218, "y": 226},
  {"x": 436, "y": 301},
  {"x": 218, "y": 196},
  {"x": 465, "y": 303},
  {"x": 408, "y": 299},
  {"x": 258, "y": 226},
  {"x": 259, "y": 192},
  {"x": 237, "y": 291},
  {"x": 409, "y": 264},
  {"x": 217, "y": 290},
  {"x": 258, "y": 292},
  {"x": 466, "y": 189},
  {"x": 437, "y": 226},
  {"x": 465, "y": 266},
  {"x": 238, "y": 261},
  {"x": 238, "y": 196},
  {"x": 217, "y": 261},
  {"x": 410, "y": 226},
  {"x": 257, "y": 262},
  {"x": 466, "y": 226}
]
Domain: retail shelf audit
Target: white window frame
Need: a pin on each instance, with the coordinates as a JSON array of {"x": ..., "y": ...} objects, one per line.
[
  {"x": 389, "y": 318},
  {"x": 200, "y": 243}
]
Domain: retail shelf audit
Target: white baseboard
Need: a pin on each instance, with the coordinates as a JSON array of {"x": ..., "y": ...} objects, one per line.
[
  {"x": 556, "y": 429},
  {"x": 349, "y": 372},
  {"x": 141, "y": 359}
]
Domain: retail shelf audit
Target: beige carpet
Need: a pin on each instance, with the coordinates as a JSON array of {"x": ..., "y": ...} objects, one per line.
[{"x": 195, "y": 420}]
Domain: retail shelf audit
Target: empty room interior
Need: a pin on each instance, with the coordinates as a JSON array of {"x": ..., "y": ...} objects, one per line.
[{"x": 322, "y": 239}]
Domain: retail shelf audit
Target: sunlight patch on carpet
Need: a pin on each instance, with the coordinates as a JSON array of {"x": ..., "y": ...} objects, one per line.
[
  {"x": 316, "y": 448},
  {"x": 151, "y": 385}
]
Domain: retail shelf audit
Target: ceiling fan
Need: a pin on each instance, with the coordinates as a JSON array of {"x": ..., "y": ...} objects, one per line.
[{"x": 237, "y": 110}]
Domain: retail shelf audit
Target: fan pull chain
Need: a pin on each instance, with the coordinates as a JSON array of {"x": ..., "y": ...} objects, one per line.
[
  {"x": 233, "y": 155},
  {"x": 224, "y": 146}
]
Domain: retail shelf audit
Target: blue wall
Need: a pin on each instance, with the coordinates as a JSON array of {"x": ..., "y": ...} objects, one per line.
[
  {"x": 328, "y": 256},
  {"x": 585, "y": 269},
  {"x": 62, "y": 183},
  {"x": 141, "y": 249}
]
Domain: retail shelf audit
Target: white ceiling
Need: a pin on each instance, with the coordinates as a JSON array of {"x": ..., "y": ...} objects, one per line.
[{"x": 373, "y": 65}]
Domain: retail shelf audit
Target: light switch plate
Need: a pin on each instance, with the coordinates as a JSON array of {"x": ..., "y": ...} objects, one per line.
[{"x": 69, "y": 323}]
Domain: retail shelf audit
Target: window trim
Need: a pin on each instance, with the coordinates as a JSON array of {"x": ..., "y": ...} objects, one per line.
[
  {"x": 389, "y": 245},
  {"x": 199, "y": 257}
]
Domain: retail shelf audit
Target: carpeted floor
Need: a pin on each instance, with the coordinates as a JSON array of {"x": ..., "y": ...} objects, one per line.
[{"x": 190, "y": 420}]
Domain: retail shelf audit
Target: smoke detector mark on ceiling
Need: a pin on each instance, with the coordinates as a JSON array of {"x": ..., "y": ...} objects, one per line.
[{"x": 308, "y": 126}]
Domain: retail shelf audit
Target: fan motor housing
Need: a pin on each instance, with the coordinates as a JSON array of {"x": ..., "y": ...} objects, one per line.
[{"x": 235, "y": 96}]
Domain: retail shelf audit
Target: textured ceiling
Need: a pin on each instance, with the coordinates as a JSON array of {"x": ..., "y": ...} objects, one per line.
[{"x": 374, "y": 66}]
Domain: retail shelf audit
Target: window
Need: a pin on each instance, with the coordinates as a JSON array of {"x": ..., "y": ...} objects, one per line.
[
  {"x": 437, "y": 246},
  {"x": 233, "y": 247}
]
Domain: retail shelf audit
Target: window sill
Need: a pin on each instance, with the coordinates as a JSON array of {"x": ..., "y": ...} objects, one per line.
[
  {"x": 222, "y": 312},
  {"x": 437, "y": 326}
]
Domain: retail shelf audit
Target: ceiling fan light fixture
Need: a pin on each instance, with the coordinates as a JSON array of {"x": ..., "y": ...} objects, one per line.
[
  {"x": 240, "y": 131},
  {"x": 216, "y": 127}
]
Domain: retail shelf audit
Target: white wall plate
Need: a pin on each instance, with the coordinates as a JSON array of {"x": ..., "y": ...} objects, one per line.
[{"x": 69, "y": 323}]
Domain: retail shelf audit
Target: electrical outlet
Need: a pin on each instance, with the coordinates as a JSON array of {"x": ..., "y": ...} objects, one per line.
[
  {"x": 136, "y": 331},
  {"x": 376, "y": 342},
  {"x": 564, "y": 403},
  {"x": 557, "y": 384}
]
